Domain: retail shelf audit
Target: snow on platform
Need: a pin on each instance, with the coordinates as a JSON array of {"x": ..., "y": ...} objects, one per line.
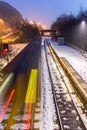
[{"x": 75, "y": 57}]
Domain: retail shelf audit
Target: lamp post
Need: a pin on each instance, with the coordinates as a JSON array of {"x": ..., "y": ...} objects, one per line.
[{"x": 84, "y": 31}]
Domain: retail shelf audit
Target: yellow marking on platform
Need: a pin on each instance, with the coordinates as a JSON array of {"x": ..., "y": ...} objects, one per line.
[
  {"x": 82, "y": 89},
  {"x": 32, "y": 86}
]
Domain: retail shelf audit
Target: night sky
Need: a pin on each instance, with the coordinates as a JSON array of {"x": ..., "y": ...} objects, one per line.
[{"x": 46, "y": 11}]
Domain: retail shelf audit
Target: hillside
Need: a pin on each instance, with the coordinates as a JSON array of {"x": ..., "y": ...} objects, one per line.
[{"x": 9, "y": 14}]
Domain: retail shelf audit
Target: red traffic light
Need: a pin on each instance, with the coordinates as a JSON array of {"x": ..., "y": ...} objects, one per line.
[{"x": 5, "y": 49}]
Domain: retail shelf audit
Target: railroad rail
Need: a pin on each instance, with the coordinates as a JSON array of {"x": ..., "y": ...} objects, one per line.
[
  {"x": 65, "y": 99},
  {"x": 21, "y": 102},
  {"x": 75, "y": 78}
]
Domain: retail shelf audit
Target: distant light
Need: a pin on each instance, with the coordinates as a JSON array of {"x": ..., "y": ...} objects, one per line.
[
  {"x": 38, "y": 24},
  {"x": 44, "y": 27},
  {"x": 31, "y": 22},
  {"x": 83, "y": 22},
  {"x": 6, "y": 50},
  {"x": 1, "y": 20}
]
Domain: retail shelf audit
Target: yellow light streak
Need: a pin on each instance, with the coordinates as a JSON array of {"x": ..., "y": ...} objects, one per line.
[{"x": 32, "y": 86}]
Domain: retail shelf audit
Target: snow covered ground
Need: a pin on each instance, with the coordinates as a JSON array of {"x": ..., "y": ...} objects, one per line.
[
  {"x": 48, "y": 112},
  {"x": 16, "y": 48},
  {"x": 77, "y": 58}
]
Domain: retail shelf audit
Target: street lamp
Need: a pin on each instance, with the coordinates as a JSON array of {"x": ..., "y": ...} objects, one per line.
[
  {"x": 84, "y": 32},
  {"x": 83, "y": 24}
]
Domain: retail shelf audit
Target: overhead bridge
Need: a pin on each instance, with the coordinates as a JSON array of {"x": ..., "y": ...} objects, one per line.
[{"x": 48, "y": 32}]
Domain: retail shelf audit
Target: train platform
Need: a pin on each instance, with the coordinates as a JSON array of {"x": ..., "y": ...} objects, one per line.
[{"x": 78, "y": 81}]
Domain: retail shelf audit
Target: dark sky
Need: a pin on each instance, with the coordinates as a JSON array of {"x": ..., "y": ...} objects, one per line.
[{"x": 46, "y": 11}]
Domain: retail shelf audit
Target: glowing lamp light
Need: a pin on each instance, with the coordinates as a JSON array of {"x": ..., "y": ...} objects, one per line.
[
  {"x": 31, "y": 22},
  {"x": 83, "y": 22},
  {"x": 1, "y": 20},
  {"x": 6, "y": 50},
  {"x": 83, "y": 26}
]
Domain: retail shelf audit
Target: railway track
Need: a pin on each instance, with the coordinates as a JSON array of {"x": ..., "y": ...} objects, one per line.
[
  {"x": 69, "y": 109},
  {"x": 21, "y": 108}
]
